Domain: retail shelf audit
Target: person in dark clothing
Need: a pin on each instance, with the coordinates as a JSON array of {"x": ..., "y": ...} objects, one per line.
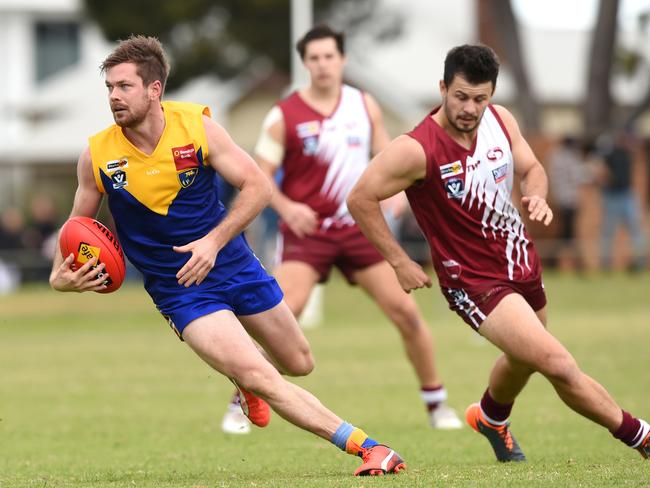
[{"x": 620, "y": 204}]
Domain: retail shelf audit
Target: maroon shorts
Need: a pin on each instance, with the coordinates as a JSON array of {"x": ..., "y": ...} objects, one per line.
[
  {"x": 344, "y": 247},
  {"x": 474, "y": 306}
]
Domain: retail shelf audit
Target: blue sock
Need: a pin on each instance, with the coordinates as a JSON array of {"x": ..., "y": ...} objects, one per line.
[
  {"x": 352, "y": 440},
  {"x": 340, "y": 437},
  {"x": 369, "y": 443}
]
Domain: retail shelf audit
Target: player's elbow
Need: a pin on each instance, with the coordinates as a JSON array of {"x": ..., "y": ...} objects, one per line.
[
  {"x": 354, "y": 201},
  {"x": 264, "y": 191}
]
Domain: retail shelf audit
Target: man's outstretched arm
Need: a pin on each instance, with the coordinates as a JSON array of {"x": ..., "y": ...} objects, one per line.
[{"x": 393, "y": 170}]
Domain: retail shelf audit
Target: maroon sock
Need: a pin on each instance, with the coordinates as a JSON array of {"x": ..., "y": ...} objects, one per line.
[
  {"x": 493, "y": 409},
  {"x": 629, "y": 431},
  {"x": 433, "y": 396}
]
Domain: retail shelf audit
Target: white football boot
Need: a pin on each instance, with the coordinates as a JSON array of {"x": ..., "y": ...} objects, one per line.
[
  {"x": 444, "y": 417},
  {"x": 234, "y": 421}
]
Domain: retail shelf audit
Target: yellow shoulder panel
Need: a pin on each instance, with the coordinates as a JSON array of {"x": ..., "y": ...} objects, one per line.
[{"x": 153, "y": 180}]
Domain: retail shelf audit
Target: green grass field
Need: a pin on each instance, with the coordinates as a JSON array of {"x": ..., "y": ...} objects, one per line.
[{"x": 96, "y": 391}]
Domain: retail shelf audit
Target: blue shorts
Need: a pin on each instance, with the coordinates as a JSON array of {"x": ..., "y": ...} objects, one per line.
[{"x": 251, "y": 290}]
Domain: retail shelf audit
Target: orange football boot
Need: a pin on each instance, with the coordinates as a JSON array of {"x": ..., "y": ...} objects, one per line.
[
  {"x": 503, "y": 442},
  {"x": 256, "y": 409},
  {"x": 380, "y": 460}
]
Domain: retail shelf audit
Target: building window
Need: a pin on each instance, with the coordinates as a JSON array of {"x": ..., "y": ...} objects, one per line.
[{"x": 57, "y": 47}]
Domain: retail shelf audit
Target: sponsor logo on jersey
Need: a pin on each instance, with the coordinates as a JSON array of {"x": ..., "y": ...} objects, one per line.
[
  {"x": 310, "y": 145},
  {"x": 455, "y": 188},
  {"x": 85, "y": 253},
  {"x": 119, "y": 179},
  {"x": 152, "y": 172},
  {"x": 308, "y": 129},
  {"x": 500, "y": 173},
  {"x": 354, "y": 141},
  {"x": 187, "y": 177},
  {"x": 185, "y": 157},
  {"x": 309, "y": 132},
  {"x": 451, "y": 169},
  {"x": 471, "y": 164},
  {"x": 452, "y": 268},
  {"x": 495, "y": 154},
  {"x": 116, "y": 164}
]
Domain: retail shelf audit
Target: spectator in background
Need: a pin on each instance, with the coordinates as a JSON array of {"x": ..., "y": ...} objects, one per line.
[
  {"x": 40, "y": 238},
  {"x": 567, "y": 173},
  {"x": 12, "y": 226},
  {"x": 43, "y": 223},
  {"x": 619, "y": 201}
]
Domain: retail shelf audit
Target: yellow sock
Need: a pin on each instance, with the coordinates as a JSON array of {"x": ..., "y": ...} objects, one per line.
[{"x": 355, "y": 441}]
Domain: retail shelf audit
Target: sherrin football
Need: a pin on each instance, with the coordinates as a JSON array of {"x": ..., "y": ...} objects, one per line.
[{"x": 86, "y": 238}]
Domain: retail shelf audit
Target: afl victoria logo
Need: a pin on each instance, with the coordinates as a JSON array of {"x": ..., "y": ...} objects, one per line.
[
  {"x": 119, "y": 179},
  {"x": 455, "y": 188}
]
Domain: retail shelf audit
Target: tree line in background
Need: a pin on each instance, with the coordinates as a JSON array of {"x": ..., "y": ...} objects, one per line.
[
  {"x": 221, "y": 37},
  {"x": 606, "y": 57},
  {"x": 228, "y": 36}
]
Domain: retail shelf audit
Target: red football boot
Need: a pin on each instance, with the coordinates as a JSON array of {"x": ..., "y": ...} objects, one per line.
[
  {"x": 256, "y": 409},
  {"x": 380, "y": 460}
]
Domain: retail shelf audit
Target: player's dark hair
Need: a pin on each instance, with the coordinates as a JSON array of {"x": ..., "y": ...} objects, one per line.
[
  {"x": 321, "y": 31},
  {"x": 476, "y": 63},
  {"x": 146, "y": 53}
]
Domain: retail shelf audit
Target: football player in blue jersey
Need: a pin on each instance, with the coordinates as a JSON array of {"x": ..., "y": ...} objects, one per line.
[{"x": 196, "y": 264}]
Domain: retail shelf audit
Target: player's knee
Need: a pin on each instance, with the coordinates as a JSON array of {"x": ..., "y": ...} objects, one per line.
[
  {"x": 406, "y": 317},
  {"x": 257, "y": 379},
  {"x": 296, "y": 306},
  {"x": 301, "y": 364},
  {"x": 560, "y": 368}
]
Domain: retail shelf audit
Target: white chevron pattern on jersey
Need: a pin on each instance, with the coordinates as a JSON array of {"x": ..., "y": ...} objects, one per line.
[
  {"x": 344, "y": 144},
  {"x": 489, "y": 181}
]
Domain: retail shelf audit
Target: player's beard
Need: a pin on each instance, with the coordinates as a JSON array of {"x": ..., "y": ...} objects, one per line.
[
  {"x": 451, "y": 117},
  {"x": 134, "y": 115}
]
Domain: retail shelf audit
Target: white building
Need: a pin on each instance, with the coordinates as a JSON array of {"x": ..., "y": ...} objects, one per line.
[
  {"x": 51, "y": 90},
  {"x": 52, "y": 95}
]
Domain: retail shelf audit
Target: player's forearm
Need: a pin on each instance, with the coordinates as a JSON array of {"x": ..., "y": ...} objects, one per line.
[
  {"x": 282, "y": 204},
  {"x": 535, "y": 182},
  {"x": 57, "y": 260},
  {"x": 279, "y": 201},
  {"x": 253, "y": 197},
  {"x": 370, "y": 219}
]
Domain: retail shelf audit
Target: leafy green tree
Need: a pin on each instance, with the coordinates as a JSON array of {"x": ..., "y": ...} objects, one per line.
[{"x": 222, "y": 37}]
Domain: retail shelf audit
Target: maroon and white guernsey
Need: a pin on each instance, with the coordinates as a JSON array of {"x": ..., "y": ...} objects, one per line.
[
  {"x": 325, "y": 155},
  {"x": 465, "y": 210}
]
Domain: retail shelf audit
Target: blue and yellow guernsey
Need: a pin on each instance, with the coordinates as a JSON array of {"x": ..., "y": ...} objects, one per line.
[{"x": 164, "y": 199}]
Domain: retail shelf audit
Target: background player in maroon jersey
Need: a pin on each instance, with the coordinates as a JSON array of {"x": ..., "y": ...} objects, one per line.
[
  {"x": 457, "y": 169},
  {"x": 322, "y": 136}
]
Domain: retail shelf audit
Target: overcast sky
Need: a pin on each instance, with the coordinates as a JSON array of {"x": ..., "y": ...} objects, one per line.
[{"x": 572, "y": 14}]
